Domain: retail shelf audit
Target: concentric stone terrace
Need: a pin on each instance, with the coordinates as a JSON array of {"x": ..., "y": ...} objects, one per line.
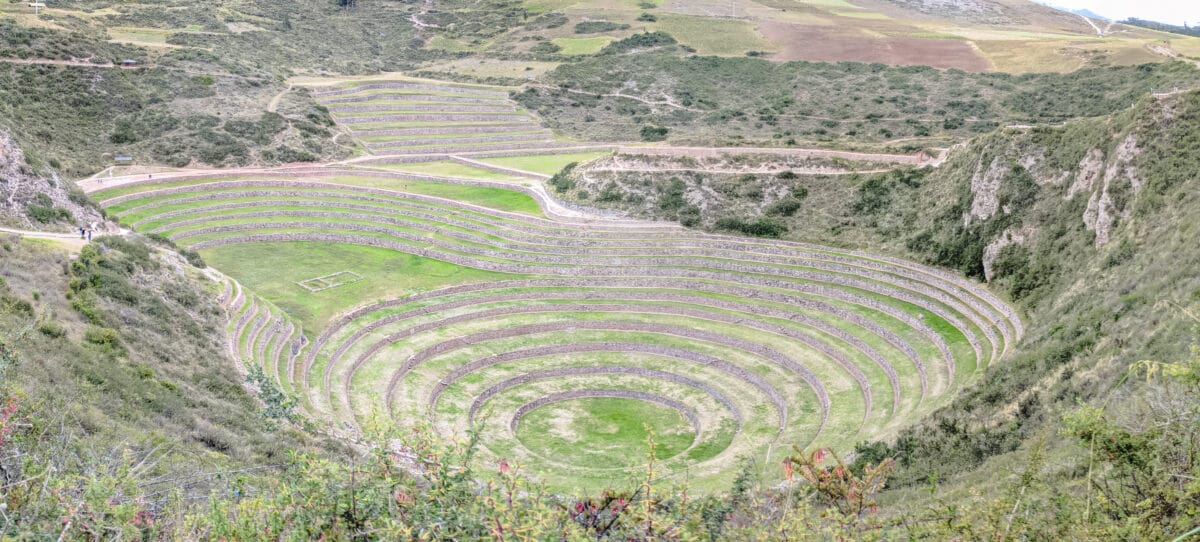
[{"x": 578, "y": 337}]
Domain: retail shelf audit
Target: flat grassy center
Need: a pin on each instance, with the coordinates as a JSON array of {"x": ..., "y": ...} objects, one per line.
[{"x": 604, "y": 432}]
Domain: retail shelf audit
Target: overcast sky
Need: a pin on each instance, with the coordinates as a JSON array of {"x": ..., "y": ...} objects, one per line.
[{"x": 1166, "y": 11}]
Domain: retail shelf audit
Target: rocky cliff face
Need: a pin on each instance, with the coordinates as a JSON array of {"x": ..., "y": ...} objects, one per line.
[{"x": 33, "y": 202}]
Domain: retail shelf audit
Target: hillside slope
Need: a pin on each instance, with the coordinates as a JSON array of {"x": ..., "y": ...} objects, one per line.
[{"x": 1088, "y": 226}]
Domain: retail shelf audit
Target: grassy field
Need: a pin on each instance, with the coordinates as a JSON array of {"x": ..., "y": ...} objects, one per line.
[
  {"x": 720, "y": 37},
  {"x": 450, "y": 169},
  {"x": 547, "y": 164},
  {"x": 140, "y": 36},
  {"x": 496, "y": 198},
  {"x": 605, "y": 432},
  {"x": 272, "y": 271}
]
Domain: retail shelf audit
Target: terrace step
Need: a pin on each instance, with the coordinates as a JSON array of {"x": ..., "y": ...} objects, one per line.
[
  {"x": 456, "y": 140},
  {"x": 451, "y": 117},
  {"x": 526, "y": 148},
  {"x": 418, "y": 98},
  {"x": 497, "y": 169},
  {"x": 462, "y": 129},
  {"x": 399, "y": 106},
  {"x": 412, "y": 86}
]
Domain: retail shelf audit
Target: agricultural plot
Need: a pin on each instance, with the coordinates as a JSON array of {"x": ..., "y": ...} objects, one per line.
[
  {"x": 415, "y": 117},
  {"x": 564, "y": 337}
]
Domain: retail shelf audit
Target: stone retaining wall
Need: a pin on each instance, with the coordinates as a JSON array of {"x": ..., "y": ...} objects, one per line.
[{"x": 410, "y": 86}]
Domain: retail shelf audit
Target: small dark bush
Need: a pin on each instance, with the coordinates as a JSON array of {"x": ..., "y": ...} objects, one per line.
[
  {"x": 193, "y": 258},
  {"x": 761, "y": 227},
  {"x": 562, "y": 181},
  {"x": 52, "y": 329},
  {"x": 784, "y": 207},
  {"x": 104, "y": 337},
  {"x": 654, "y": 133},
  {"x": 596, "y": 27},
  {"x": 545, "y": 48},
  {"x": 645, "y": 40}
]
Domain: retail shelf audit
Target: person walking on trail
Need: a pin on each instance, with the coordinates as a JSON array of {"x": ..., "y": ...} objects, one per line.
[
  {"x": 89, "y": 232},
  {"x": 82, "y": 232}
]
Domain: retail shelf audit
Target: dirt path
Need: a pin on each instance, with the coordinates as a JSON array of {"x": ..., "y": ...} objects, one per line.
[
  {"x": 667, "y": 99},
  {"x": 1169, "y": 53},
  {"x": 1088, "y": 20},
  {"x": 274, "y": 103},
  {"x": 755, "y": 171},
  {"x": 50, "y": 62},
  {"x": 706, "y": 152},
  {"x": 71, "y": 240}
]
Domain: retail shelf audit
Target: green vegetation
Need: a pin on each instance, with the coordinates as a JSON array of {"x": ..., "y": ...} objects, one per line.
[
  {"x": 547, "y": 164},
  {"x": 43, "y": 210},
  {"x": 604, "y": 432},
  {"x": 713, "y": 36},
  {"x": 598, "y": 27},
  {"x": 270, "y": 271},
  {"x": 576, "y": 46},
  {"x": 748, "y": 101},
  {"x": 137, "y": 369},
  {"x": 456, "y": 170}
]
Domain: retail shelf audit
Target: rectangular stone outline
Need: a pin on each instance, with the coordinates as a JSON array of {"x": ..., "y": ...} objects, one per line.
[{"x": 325, "y": 282}]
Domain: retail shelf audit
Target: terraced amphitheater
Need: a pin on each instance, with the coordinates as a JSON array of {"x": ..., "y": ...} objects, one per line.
[
  {"x": 435, "y": 281},
  {"x": 566, "y": 338}
]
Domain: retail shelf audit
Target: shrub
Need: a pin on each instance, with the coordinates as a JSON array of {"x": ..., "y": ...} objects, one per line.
[
  {"x": 645, "y": 40},
  {"x": 105, "y": 337},
  {"x": 761, "y": 227},
  {"x": 193, "y": 258},
  {"x": 596, "y": 27},
  {"x": 261, "y": 131},
  {"x": 647, "y": 17},
  {"x": 562, "y": 181},
  {"x": 42, "y": 210},
  {"x": 784, "y": 207},
  {"x": 545, "y": 48},
  {"x": 672, "y": 198},
  {"x": 547, "y": 21},
  {"x": 654, "y": 133},
  {"x": 689, "y": 217},
  {"x": 873, "y": 195},
  {"x": 610, "y": 194},
  {"x": 147, "y": 124},
  {"x": 52, "y": 329}
]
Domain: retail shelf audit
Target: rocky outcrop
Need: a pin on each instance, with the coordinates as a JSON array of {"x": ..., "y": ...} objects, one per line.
[
  {"x": 1105, "y": 207},
  {"x": 1007, "y": 238},
  {"x": 985, "y": 189},
  {"x": 22, "y": 191},
  {"x": 1087, "y": 173}
]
